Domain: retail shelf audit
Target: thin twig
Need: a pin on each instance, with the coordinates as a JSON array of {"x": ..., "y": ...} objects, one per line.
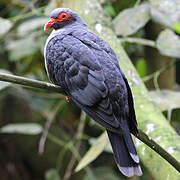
[
  {"x": 69, "y": 145},
  {"x": 48, "y": 86},
  {"x": 77, "y": 146},
  {"x": 47, "y": 127},
  {"x": 22, "y": 16},
  {"x": 151, "y": 76},
  {"x": 155, "y": 80},
  {"x": 56, "y": 140},
  {"x": 141, "y": 41}
]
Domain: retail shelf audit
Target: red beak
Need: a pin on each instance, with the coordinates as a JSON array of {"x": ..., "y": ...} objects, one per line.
[{"x": 49, "y": 23}]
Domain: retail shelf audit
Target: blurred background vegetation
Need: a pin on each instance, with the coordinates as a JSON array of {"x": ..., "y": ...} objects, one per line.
[{"x": 42, "y": 135}]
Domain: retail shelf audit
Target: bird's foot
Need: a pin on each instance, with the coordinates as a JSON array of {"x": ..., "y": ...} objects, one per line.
[{"x": 67, "y": 98}]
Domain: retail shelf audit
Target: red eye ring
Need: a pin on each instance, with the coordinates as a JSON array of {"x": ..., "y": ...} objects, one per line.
[{"x": 63, "y": 16}]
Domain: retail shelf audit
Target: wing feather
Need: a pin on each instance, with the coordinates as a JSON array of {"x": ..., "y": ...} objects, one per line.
[{"x": 80, "y": 73}]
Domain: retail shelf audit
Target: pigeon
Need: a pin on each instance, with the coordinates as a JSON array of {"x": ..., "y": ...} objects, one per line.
[{"x": 87, "y": 69}]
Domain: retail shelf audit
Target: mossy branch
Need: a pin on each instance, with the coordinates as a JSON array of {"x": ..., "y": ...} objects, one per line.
[
  {"x": 157, "y": 148},
  {"x": 48, "y": 86}
]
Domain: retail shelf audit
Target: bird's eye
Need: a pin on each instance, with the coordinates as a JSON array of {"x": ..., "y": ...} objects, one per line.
[{"x": 63, "y": 16}]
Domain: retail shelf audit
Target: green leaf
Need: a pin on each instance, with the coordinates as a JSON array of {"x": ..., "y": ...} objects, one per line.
[
  {"x": 52, "y": 174},
  {"x": 5, "y": 26},
  {"x": 177, "y": 27},
  {"x": 95, "y": 150},
  {"x": 3, "y": 84},
  {"x": 141, "y": 67},
  {"x": 165, "y": 12},
  {"x": 131, "y": 20},
  {"x": 31, "y": 25},
  {"x": 22, "y": 47},
  {"x": 108, "y": 147},
  {"x": 168, "y": 43},
  {"x": 166, "y": 99},
  {"x": 109, "y": 10},
  {"x": 22, "y": 128}
]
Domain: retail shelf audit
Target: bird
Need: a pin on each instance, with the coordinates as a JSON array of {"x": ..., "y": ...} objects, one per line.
[{"x": 87, "y": 69}]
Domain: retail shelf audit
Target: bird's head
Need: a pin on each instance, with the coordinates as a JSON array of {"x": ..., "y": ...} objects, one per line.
[{"x": 62, "y": 17}]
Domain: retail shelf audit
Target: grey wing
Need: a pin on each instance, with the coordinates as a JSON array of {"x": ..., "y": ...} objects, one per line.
[
  {"x": 93, "y": 41},
  {"x": 83, "y": 76},
  {"x": 83, "y": 79}
]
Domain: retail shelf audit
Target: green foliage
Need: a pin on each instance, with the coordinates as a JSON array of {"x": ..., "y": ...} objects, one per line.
[
  {"x": 110, "y": 10},
  {"x": 52, "y": 174},
  {"x": 131, "y": 20},
  {"x": 166, "y": 100},
  {"x": 165, "y": 12},
  {"x": 141, "y": 67},
  {"x": 177, "y": 28},
  {"x": 120, "y": 6},
  {"x": 96, "y": 149},
  {"x": 5, "y": 26},
  {"x": 168, "y": 43},
  {"x": 22, "y": 128},
  {"x": 103, "y": 173}
]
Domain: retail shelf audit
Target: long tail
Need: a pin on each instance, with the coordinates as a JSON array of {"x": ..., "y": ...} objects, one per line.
[{"x": 125, "y": 154}]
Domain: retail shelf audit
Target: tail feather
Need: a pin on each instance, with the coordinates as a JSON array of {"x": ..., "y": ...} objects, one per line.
[
  {"x": 129, "y": 143},
  {"x": 126, "y": 164}
]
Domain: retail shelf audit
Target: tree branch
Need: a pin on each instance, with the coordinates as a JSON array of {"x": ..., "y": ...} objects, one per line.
[
  {"x": 157, "y": 148},
  {"x": 30, "y": 82},
  {"x": 49, "y": 121},
  {"x": 48, "y": 86},
  {"x": 145, "y": 42}
]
